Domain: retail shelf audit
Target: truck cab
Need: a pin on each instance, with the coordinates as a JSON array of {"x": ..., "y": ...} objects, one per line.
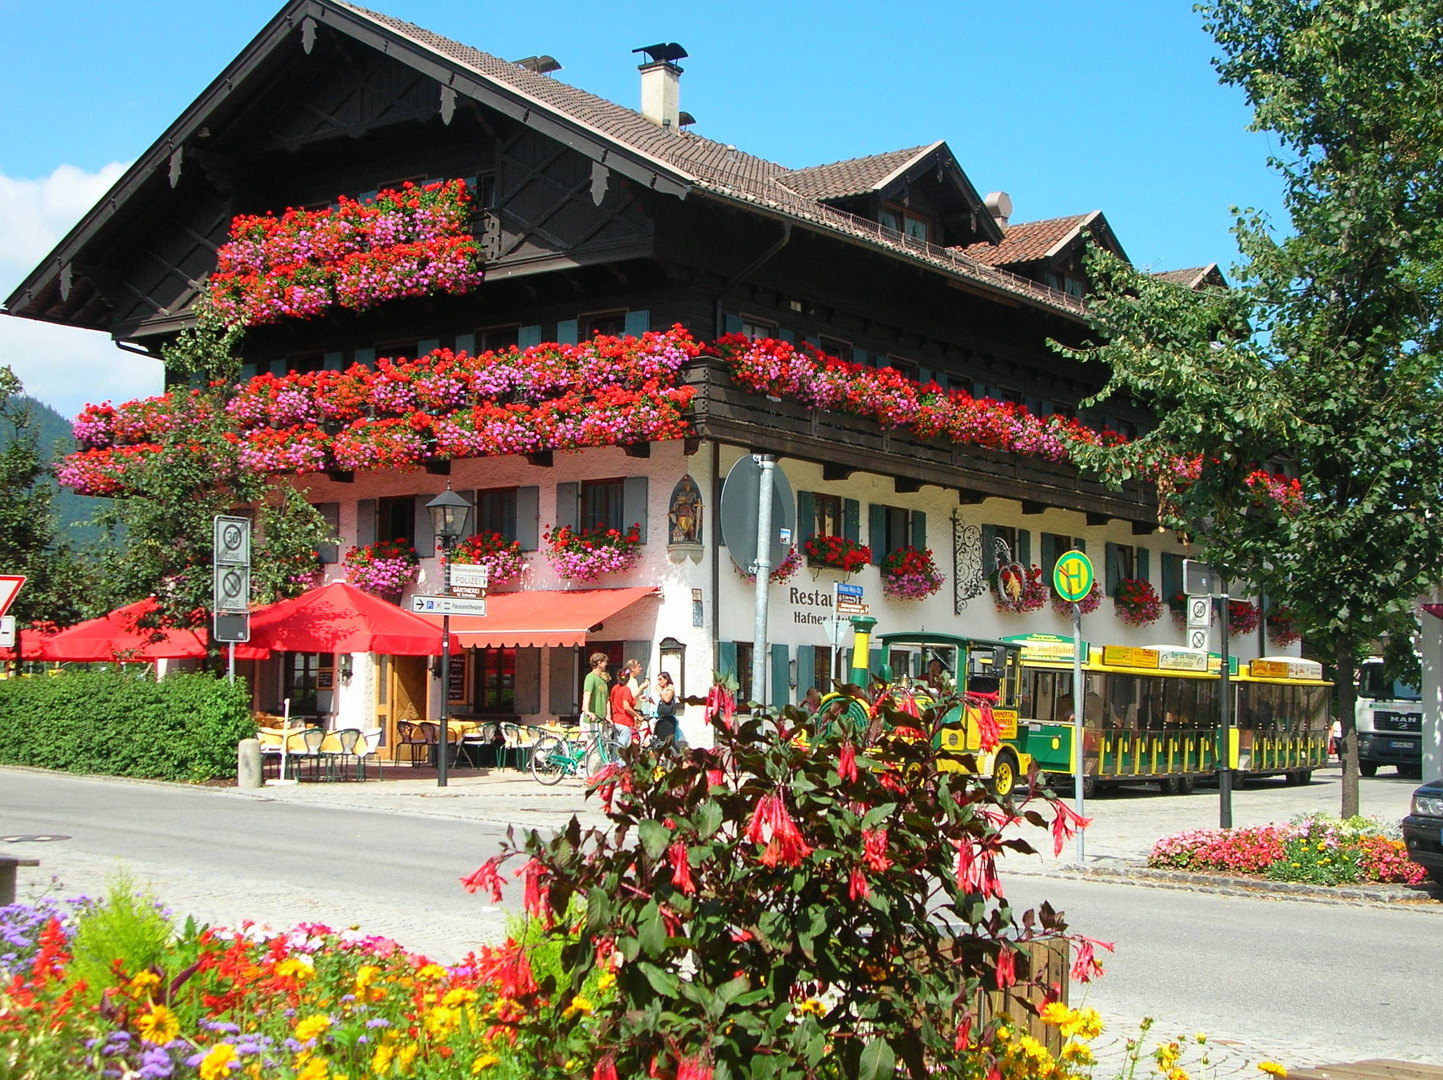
[{"x": 1389, "y": 720}]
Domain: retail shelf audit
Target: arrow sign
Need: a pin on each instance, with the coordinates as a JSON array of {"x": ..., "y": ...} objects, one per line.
[
  {"x": 447, "y": 605},
  {"x": 9, "y": 589}
]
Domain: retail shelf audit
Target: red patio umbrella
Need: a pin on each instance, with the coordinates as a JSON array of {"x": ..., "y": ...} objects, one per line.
[
  {"x": 31, "y": 644},
  {"x": 117, "y": 637},
  {"x": 340, "y": 618}
]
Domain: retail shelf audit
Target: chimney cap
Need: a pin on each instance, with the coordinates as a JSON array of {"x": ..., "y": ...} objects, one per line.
[
  {"x": 663, "y": 52},
  {"x": 999, "y": 205}
]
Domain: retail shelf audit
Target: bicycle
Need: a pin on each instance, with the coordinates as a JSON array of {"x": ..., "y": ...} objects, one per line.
[{"x": 566, "y": 755}]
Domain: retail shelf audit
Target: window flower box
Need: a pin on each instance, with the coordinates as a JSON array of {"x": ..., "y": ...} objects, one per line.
[
  {"x": 504, "y": 560},
  {"x": 587, "y": 554},
  {"x": 1089, "y": 603},
  {"x": 1137, "y": 602},
  {"x": 384, "y": 568},
  {"x": 909, "y": 573},
  {"x": 836, "y": 553},
  {"x": 781, "y": 574}
]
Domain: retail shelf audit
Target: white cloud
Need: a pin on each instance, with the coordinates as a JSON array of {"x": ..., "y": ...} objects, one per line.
[{"x": 62, "y": 366}]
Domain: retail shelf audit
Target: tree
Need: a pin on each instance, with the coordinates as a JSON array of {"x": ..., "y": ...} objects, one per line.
[
  {"x": 55, "y": 586},
  {"x": 171, "y": 497},
  {"x": 1324, "y": 359}
]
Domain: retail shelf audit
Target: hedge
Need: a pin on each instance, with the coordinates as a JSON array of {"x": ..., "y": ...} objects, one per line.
[{"x": 184, "y": 727}]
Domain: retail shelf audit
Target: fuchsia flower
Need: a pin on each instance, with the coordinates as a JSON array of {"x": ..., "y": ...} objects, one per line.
[
  {"x": 874, "y": 850},
  {"x": 536, "y": 887},
  {"x": 847, "y": 762},
  {"x": 773, "y": 826},
  {"x": 1065, "y": 825},
  {"x": 977, "y": 870},
  {"x": 681, "y": 867},
  {"x": 487, "y": 877},
  {"x": 1006, "y": 967},
  {"x": 857, "y": 885},
  {"x": 605, "y": 1068},
  {"x": 1087, "y": 967}
]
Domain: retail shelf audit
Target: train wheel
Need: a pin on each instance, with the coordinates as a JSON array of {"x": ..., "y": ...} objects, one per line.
[
  {"x": 1305, "y": 777},
  {"x": 1004, "y": 774},
  {"x": 1169, "y": 785},
  {"x": 1291, "y": 778},
  {"x": 1186, "y": 785}
]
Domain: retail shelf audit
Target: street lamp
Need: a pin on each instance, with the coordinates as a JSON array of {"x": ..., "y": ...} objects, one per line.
[{"x": 450, "y": 519}]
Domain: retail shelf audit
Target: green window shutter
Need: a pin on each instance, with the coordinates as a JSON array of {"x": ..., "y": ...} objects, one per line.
[
  {"x": 1081, "y": 542},
  {"x": 925, "y": 376},
  {"x": 814, "y": 342},
  {"x": 430, "y": 345},
  {"x": 859, "y": 356},
  {"x": 568, "y": 504},
  {"x": 527, "y": 336},
  {"x": 638, "y": 650},
  {"x": 852, "y": 520},
  {"x": 633, "y": 503},
  {"x": 466, "y": 343},
  {"x": 1114, "y": 569},
  {"x": 334, "y": 361},
  {"x": 877, "y": 532},
  {"x": 806, "y": 669},
  {"x": 280, "y": 367},
  {"x": 528, "y": 681},
  {"x": 566, "y": 331},
  {"x": 331, "y": 514},
  {"x": 783, "y": 334},
  {"x": 732, "y": 324},
  {"x": 365, "y": 522},
  {"x": 726, "y": 659},
  {"x": 638, "y": 322},
  {"x": 1171, "y": 575},
  {"x": 781, "y": 676},
  {"x": 365, "y": 357},
  {"x": 806, "y": 516},
  {"x": 989, "y": 549},
  {"x": 528, "y": 515},
  {"x": 1024, "y": 547},
  {"x": 919, "y": 530},
  {"x": 1144, "y": 564},
  {"x": 1049, "y": 555},
  {"x": 564, "y": 687},
  {"x": 425, "y": 538}
]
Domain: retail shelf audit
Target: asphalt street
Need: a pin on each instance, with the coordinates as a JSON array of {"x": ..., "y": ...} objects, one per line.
[{"x": 1295, "y": 979}]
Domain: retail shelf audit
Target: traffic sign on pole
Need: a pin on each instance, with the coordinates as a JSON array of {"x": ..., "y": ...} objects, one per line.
[
  {"x": 1197, "y": 638},
  {"x": 1199, "y": 612},
  {"x": 9, "y": 589},
  {"x": 7, "y": 631},
  {"x": 1072, "y": 577},
  {"x": 447, "y": 605}
]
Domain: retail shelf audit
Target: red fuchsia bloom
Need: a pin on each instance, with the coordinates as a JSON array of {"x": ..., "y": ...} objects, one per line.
[
  {"x": 989, "y": 733},
  {"x": 977, "y": 869},
  {"x": 1006, "y": 968},
  {"x": 773, "y": 826},
  {"x": 874, "y": 850},
  {"x": 681, "y": 868},
  {"x": 720, "y": 706},
  {"x": 964, "y": 1034},
  {"x": 1065, "y": 825},
  {"x": 487, "y": 877},
  {"x": 847, "y": 763},
  {"x": 1086, "y": 967},
  {"x": 515, "y": 974},
  {"x": 857, "y": 886},
  {"x": 693, "y": 1069},
  {"x": 605, "y": 1068},
  {"x": 537, "y": 890},
  {"x": 715, "y": 778}
]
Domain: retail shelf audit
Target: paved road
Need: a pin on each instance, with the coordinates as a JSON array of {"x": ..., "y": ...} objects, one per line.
[{"x": 1303, "y": 982}]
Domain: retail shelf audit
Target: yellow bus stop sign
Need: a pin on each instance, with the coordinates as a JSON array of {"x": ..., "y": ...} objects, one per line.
[{"x": 1072, "y": 577}]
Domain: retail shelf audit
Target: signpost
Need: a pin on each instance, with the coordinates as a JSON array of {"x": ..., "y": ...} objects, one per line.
[
  {"x": 9, "y": 589},
  {"x": 470, "y": 580},
  {"x": 1072, "y": 577},
  {"x": 7, "y": 631},
  {"x": 1204, "y": 587},
  {"x": 230, "y": 583},
  {"x": 448, "y": 605}
]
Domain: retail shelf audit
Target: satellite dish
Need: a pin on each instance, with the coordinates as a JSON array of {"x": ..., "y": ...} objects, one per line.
[{"x": 739, "y": 514}]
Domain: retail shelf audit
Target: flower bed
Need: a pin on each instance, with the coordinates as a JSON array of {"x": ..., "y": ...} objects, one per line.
[
  {"x": 1316, "y": 849},
  {"x": 836, "y": 553},
  {"x": 410, "y": 242},
  {"x": 385, "y": 567},
  {"x": 504, "y": 560},
  {"x": 909, "y": 573},
  {"x": 1017, "y": 588},
  {"x": 1137, "y": 602},
  {"x": 587, "y": 554}
]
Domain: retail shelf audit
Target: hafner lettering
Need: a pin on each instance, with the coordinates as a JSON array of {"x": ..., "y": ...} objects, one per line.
[{"x": 814, "y": 598}]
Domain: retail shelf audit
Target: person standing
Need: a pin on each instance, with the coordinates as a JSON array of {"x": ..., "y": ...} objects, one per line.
[
  {"x": 595, "y": 698},
  {"x": 623, "y": 708},
  {"x": 666, "y": 730}
]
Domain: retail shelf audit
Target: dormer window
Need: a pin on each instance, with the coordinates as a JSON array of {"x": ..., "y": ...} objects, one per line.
[{"x": 905, "y": 222}]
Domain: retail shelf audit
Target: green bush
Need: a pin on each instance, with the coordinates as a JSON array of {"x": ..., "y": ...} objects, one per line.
[{"x": 184, "y": 727}]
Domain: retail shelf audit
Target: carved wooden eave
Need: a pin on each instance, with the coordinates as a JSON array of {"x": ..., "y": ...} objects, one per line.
[{"x": 844, "y": 444}]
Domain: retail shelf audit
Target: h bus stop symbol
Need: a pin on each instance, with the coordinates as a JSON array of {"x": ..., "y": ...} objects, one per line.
[{"x": 1072, "y": 577}]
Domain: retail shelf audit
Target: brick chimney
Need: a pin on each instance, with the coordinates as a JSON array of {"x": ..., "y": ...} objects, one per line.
[{"x": 661, "y": 84}]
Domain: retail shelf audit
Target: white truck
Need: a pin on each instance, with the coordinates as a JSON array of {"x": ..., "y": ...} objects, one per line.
[{"x": 1389, "y": 720}]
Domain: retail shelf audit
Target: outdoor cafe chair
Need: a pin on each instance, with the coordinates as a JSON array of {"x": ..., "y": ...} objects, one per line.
[
  {"x": 305, "y": 746},
  {"x": 365, "y": 751},
  {"x": 432, "y": 732},
  {"x": 518, "y": 740},
  {"x": 412, "y": 740},
  {"x": 337, "y": 747}
]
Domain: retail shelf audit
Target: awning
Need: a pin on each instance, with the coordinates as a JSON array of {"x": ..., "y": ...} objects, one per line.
[
  {"x": 118, "y": 636},
  {"x": 340, "y": 618},
  {"x": 542, "y": 617},
  {"x": 1436, "y": 610}
]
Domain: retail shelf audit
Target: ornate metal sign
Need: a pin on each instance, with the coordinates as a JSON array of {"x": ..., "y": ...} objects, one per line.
[{"x": 968, "y": 580}]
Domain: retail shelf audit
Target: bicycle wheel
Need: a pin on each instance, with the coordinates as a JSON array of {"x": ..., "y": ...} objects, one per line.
[
  {"x": 598, "y": 755},
  {"x": 549, "y": 760}
]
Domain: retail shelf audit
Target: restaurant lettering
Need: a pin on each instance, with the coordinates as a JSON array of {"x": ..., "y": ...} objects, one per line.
[{"x": 810, "y": 598}]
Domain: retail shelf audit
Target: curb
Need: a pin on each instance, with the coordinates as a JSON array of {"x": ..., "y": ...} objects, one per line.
[{"x": 1387, "y": 895}]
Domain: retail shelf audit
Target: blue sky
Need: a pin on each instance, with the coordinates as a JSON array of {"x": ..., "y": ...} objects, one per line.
[{"x": 1068, "y": 107}]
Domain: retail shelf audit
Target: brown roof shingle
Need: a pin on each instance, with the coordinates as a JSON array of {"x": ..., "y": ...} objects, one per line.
[
  {"x": 855, "y": 176},
  {"x": 1028, "y": 241}
]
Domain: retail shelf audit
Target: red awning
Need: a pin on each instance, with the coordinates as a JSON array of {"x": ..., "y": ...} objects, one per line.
[
  {"x": 32, "y": 644},
  {"x": 1436, "y": 610},
  {"x": 117, "y": 637},
  {"x": 542, "y": 617},
  {"x": 340, "y": 618}
]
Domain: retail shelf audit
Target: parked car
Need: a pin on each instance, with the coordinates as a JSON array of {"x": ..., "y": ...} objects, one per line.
[{"x": 1423, "y": 829}]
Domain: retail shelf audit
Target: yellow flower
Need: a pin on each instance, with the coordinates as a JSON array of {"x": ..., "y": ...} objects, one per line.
[
  {"x": 218, "y": 1062},
  {"x": 381, "y": 1059},
  {"x": 442, "y": 1021},
  {"x": 1178, "y": 1074},
  {"x": 299, "y": 968},
  {"x": 1077, "y": 1053},
  {"x": 315, "y": 1070},
  {"x": 1201, "y": 1038},
  {"x": 459, "y": 995},
  {"x": 1082, "y": 1023},
  {"x": 485, "y": 1061},
  {"x": 407, "y": 1056},
  {"x": 1272, "y": 1068},
  {"x": 158, "y": 1026},
  {"x": 606, "y": 982},
  {"x": 1055, "y": 1013},
  {"x": 813, "y": 1006},
  {"x": 431, "y": 972},
  {"x": 141, "y": 985},
  {"x": 579, "y": 1004},
  {"x": 312, "y": 1026}
]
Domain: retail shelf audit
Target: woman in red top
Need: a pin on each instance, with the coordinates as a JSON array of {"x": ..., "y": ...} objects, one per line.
[{"x": 623, "y": 708}]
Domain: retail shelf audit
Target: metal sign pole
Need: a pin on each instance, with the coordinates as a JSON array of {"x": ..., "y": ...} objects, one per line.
[
  {"x": 445, "y": 742},
  {"x": 1225, "y": 731},
  {"x": 1077, "y": 700},
  {"x": 230, "y": 662},
  {"x": 760, "y": 652}
]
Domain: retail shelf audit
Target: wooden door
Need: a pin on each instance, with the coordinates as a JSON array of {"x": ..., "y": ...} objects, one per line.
[{"x": 400, "y": 695}]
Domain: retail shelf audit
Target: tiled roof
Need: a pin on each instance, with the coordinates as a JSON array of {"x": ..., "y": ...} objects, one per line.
[
  {"x": 1194, "y": 277},
  {"x": 1028, "y": 241},
  {"x": 855, "y": 176},
  {"x": 723, "y": 170}
]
